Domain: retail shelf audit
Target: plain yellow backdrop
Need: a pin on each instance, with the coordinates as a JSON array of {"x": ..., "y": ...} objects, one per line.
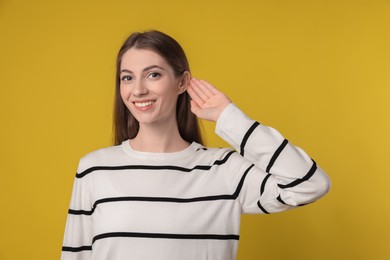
[{"x": 318, "y": 71}]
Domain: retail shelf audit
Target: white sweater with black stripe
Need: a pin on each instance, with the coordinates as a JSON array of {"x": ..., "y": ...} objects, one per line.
[{"x": 185, "y": 205}]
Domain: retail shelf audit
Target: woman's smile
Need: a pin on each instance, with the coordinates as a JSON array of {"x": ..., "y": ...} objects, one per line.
[{"x": 144, "y": 105}]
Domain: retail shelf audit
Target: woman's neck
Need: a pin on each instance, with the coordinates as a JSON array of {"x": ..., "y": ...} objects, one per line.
[{"x": 163, "y": 138}]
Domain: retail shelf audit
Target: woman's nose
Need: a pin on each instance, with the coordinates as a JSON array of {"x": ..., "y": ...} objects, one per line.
[{"x": 139, "y": 88}]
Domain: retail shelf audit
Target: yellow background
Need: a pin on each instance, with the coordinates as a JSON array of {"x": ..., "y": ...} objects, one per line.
[{"x": 318, "y": 71}]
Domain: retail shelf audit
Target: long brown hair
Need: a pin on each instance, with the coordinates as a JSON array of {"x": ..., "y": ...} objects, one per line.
[{"x": 125, "y": 125}]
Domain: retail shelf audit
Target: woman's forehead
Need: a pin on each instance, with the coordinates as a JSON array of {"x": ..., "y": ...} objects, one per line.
[{"x": 141, "y": 58}]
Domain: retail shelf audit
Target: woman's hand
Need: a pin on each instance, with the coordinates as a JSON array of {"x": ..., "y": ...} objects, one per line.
[{"x": 207, "y": 102}]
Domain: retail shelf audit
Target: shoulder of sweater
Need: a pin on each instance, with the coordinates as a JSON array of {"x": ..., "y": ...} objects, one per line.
[
  {"x": 101, "y": 155},
  {"x": 114, "y": 155}
]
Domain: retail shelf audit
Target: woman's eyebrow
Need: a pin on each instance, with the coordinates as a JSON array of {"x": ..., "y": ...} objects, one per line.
[
  {"x": 153, "y": 67},
  {"x": 145, "y": 69},
  {"x": 125, "y": 70}
]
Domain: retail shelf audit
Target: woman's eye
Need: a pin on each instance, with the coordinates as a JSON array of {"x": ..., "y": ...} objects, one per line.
[
  {"x": 126, "y": 78},
  {"x": 154, "y": 75}
]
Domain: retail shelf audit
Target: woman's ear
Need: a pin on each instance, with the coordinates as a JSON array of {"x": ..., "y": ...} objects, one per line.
[{"x": 184, "y": 82}]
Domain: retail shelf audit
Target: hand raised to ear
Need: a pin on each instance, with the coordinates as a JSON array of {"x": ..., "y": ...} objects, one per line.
[{"x": 207, "y": 102}]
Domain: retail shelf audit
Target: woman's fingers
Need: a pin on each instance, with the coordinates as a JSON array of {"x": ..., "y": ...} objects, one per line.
[
  {"x": 209, "y": 88},
  {"x": 204, "y": 87},
  {"x": 207, "y": 102},
  {"x": 194, "y": 96},
  {"x": 200, "y": 89},
  {"x": 195, "y": 108}
]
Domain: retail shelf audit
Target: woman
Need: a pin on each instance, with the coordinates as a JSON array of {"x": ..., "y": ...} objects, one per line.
[{"x": 160, "y": 194}]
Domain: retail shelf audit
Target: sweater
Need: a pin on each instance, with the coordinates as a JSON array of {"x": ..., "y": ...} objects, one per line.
[{"x": 128, "y": 204}]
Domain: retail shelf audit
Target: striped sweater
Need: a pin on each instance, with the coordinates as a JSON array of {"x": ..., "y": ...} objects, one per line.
[{"x": 136, "y": 205}]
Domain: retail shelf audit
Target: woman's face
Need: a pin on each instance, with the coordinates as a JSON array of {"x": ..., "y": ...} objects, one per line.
[{"x": 149, "y": 87}]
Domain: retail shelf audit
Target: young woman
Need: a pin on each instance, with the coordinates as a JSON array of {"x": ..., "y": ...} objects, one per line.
[{"x": 159, "y": 193}]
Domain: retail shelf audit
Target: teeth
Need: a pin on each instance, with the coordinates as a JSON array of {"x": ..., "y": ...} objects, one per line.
[{"x": 143, "y": 104}]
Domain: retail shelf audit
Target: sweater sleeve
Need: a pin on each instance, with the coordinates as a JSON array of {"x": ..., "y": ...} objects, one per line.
[
  {"x": 283, "y": 176},
  {"x": 77, "y": 244}
]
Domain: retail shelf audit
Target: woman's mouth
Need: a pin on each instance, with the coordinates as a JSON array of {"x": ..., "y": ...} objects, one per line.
[{"x": 144, "y": 104}]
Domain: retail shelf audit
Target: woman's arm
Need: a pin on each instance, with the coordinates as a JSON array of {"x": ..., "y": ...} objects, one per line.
[
  {"x": 283, "y": 175},
  {"x": 77, "y": 243}
]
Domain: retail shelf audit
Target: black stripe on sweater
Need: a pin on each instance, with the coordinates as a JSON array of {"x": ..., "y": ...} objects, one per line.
[
  {"x": 153, "y": 235},
  {"x": 76, "y": 249},
  {"x": 154, "y": 167},
  {"x": 167, "y": 236},
  {"x": 276, "y": 155},
  {"x": 167, "y": 199},
  {"x": 81, "y": 212},
  {"x": 299, "y": 181},
  {"x": 246, "y": 137},
  {"x": 262, "y": 188},
  {"x": 279, "y": 198},
  {"x": 261, "y": 208}
]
